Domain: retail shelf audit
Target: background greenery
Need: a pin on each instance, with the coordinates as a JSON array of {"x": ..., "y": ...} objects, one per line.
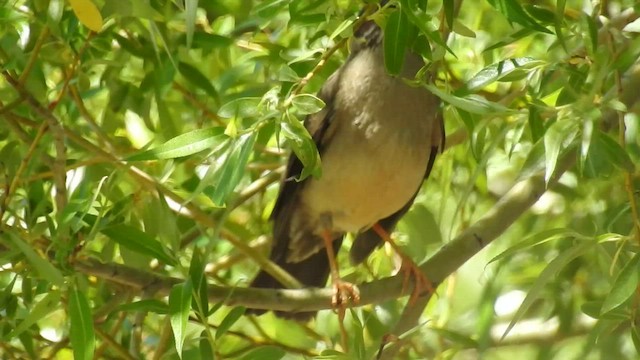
[{"x": 139, "y": 156}]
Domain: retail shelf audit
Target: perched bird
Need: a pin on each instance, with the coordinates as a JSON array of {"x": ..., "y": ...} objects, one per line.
[{"x": 377, "y": 137}]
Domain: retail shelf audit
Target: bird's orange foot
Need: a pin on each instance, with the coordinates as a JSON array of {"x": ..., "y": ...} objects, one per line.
[
  {"x": 344, "y": 293},
  {"x": 422, "y": 284}
]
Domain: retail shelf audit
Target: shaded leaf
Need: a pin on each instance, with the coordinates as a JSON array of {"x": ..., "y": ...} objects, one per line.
[
  {"x": 396, "y": 34},
  {"x": 81, "y": 333},
  {"x": 197, "y": 78},
  {"x": 138, "y": 241},
  {"x": 43, "y": 266},
  {"x": 302, "y": 145},
  {"x": 265, "y": 353}
]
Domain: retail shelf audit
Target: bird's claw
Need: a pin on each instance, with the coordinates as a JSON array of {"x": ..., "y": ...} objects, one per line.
[
  {"x": 422, "y": 285},
  {"x": 344, "y": 293}
]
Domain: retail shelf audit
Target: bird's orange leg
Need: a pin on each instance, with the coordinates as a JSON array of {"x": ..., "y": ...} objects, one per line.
[
  {"x": 409, "y": 268},
  {"x": 344, "y": 292}
]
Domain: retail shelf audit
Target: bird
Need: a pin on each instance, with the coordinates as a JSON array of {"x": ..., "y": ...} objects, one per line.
[{"x": 378, "y": 137}]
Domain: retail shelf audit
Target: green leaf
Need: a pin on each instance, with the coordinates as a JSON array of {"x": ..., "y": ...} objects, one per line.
[
  {"x": 624, "y": 286},
  {"x": 233, "y": 167},
  {"x": 197, "y": 78},
  {"x": 615, "y": 153},
  {"x": 537, "y": 239},
  {"x": 228, "y": 321},
  {"x": 44, "y": 307},
  {"x": 471, "y": 103},
  {"x": 148, "y": 305},
  {"x": 81, "y": 333},
  {"x": 302, "y": 145},
  {"x": 396, "y": 34},
  {"x": 88, "y": 14},
  {"x": 243, "y": 108},
  {"x": 190, "y": 12},
  {"x": 548, "y": 274},
  {"x": 183, "y": 145},
  {"x": 43, "y": 266},
  {"x": 514, "y": 12},
  {"x": 179, "y": 307},
  {"x": 502, "y": 69},
  {"x": 138, "y": 241},
  {"x": 265, "y": 353},
  {"x": 558, "y": 137},
  {"x": 307, "y": 104}
]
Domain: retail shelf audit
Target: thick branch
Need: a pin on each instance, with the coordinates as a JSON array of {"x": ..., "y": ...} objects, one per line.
[{"x": 454, "y": 254}]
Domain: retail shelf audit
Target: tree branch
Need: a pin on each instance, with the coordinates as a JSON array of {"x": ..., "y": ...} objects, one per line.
[{"x": 443, "y": 263}]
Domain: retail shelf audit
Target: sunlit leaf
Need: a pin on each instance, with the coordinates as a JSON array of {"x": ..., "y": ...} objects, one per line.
[
  {"x": 231, "y": 171},
  {"x": 41, "y": 309},
  {"x": 228, "y": 321},
  {"x": 179, "y": 307},
  {"x": 307, "y": 104},
  {"x": 183, "y": 145},
  {"x": 624, "y": 285},
  {"x": 87, "y": 13}
]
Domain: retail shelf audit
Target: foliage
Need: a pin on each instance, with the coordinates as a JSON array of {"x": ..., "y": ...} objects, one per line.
[{"x": 148, "y": 134}]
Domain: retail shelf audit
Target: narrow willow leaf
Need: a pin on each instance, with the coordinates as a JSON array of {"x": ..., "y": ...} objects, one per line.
[
  {"x": 40, "y": 310},
  {"x": 206, "y": 347},
  {"x": 190, "y": 12},
  {"x": 624, "y": 286},
  {"x": 243, "y": 107},
  {"x": 472, "y": 104},
  {"x": 87, "y": 13},
  {"x": 149, "y": 305},
  {"x": 232, "y": 169},
  {"x": 265, "y": 353},
  {"x": 514, "y": 12},
  {"x": 615, "y": 153},
  {"x": 500, "y": 70},
  {"x": 302, "y": 145},
  {"x": 307, "y": 104},
  {"x": 537, "y": 239},
  {"x": 557, "y": 138},
  {"x": 43, "y": 266},
  {"x": 183, "y": 145},
  {"x": 179, "y": 307},
  {"x": 395, "y": 42},
  {"x": 228, "y": 321},
  {"x": 138, "y": 241},
  {"x": 548, "y": 274},
  {"x": 81, "y": 333},
  {"x": 197, "y": 78}
]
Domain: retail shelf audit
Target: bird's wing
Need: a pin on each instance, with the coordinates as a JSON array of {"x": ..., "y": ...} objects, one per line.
[{"x": 321, "y": 127}]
